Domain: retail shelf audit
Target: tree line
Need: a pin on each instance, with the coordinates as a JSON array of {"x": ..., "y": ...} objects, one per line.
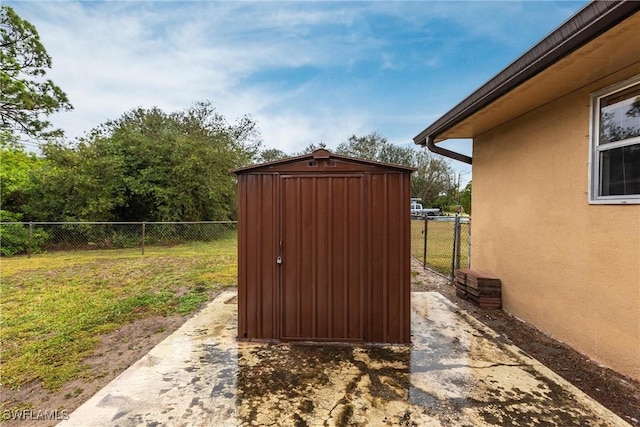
[
  {"x": 147, "y": 165},
  {"x": 433, "y": 181},
  {"x": 150, "y": 165}
]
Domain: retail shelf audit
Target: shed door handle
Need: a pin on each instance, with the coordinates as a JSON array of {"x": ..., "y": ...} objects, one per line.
[{"x": 279, "y": 260}]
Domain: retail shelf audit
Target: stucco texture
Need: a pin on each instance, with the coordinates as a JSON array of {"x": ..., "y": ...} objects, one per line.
[{"x": 568, "y": 267}]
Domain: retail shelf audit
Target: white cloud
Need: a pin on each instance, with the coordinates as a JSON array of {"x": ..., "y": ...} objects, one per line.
[
  {"x": 292, "y": 131},
  {"x": 111, "y": 57}
]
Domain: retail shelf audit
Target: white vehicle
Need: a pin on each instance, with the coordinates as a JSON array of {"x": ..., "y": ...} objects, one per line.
[{"x": 417, "y": 211}]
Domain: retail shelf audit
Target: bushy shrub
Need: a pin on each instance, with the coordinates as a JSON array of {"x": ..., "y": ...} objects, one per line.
[{"x": 14, "y": 238}]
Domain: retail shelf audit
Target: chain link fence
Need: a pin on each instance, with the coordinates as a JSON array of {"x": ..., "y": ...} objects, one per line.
[
  {"x": 19, "y": 238},
  {"x": 442, "y": 243},
  {"x": 439, "y": 243}
]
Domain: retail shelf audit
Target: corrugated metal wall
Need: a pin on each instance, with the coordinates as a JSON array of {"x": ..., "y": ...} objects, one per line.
[
  {"x": 258, "y": 246},
  {"x": 389, "y": 225},
  {"x": 342, "y": 230},
  {"x": 323, "y": 270}
]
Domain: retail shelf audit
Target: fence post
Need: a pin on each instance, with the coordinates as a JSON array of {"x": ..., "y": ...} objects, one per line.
[
  {"x": 458, "y": 241},
  {"x": 453, "y": 250},
  {"x": 424, "y": 253},
  {"x": 30, "y": 239},
  {"x": 469, "y": 244},
  {"x": 144, "y": 226}
]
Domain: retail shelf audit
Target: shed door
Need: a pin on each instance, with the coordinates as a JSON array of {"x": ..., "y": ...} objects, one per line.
[{"x": 323, "y": 272}]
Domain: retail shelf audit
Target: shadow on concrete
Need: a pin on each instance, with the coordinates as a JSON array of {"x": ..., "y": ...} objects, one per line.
[{"x": 455, "y": 372}]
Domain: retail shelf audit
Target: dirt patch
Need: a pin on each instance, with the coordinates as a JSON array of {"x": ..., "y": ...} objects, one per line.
[
  {"x": 616, "y": 392},
  {"x": 116, "y": 351}
]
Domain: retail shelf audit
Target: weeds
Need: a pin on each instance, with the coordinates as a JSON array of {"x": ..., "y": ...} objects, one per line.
[{"x": 54, "y": 306}]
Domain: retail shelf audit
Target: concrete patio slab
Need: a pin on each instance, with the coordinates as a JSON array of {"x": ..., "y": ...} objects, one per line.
[{"x": 457, "y": 372}]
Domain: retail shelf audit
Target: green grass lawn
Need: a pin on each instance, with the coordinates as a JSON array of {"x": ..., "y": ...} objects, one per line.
[
  {"x": 54, "y": 306},
  {"x": 439, "y": 244}
]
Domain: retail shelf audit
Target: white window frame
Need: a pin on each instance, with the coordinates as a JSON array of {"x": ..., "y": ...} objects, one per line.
[{"x": 595, "y": 149}]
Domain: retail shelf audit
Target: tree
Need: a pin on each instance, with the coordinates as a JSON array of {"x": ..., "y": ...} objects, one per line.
[
  {"x": 271, "y": 154},
  {"x": 433, "y": 176},
  {"x": 465, "y": 198},
  {"x": 16, "y": 168},
  {"x": 376, "y": 147},
  {"x": 148, "y": 166},
  {"x": 81, "y": 183},
  {"x": 311, "y": 148},
  {"x": 26, "y": 95}
]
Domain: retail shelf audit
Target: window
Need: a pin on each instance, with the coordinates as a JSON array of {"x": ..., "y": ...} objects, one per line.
[{"x": 615, "y": 151}]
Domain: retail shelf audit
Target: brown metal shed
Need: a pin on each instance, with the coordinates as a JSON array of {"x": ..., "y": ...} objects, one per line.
[{"x": 324, "y": 250}]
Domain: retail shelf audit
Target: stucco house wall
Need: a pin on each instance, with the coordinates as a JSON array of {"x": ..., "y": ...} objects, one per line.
[{"x": 568, "y": 267}]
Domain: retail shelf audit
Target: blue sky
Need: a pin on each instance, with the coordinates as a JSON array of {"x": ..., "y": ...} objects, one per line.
[{"x": 307, "y": 72}]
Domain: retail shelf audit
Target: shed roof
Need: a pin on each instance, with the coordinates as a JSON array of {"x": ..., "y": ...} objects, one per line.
[
  {"x": 316, "y": 155},
  {"x": 563, "y": 61}
]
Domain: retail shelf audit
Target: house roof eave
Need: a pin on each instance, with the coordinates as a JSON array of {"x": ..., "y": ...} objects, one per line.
[{"x": 592, "y": 20}]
